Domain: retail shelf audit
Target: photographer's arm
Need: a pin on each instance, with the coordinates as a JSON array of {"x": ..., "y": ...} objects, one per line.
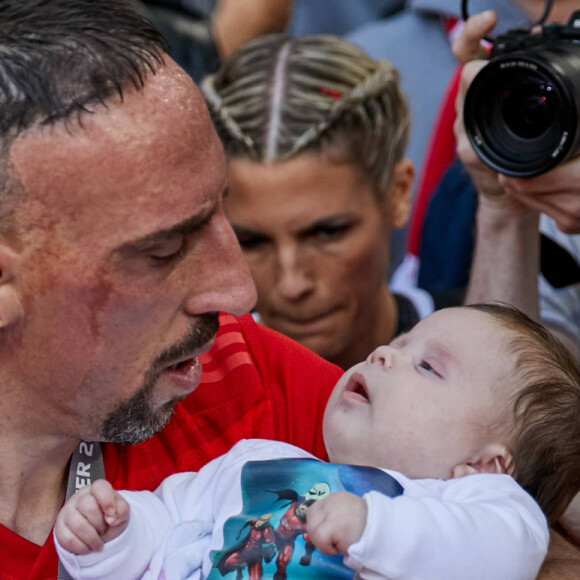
[
  {"x": 505, "y": 264},
  {"x": 501, "y": 222},
  {"x": 506, "y": 261}
]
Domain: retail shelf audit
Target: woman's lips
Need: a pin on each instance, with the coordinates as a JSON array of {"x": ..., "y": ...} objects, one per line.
[{"x": 308, "y": 323}]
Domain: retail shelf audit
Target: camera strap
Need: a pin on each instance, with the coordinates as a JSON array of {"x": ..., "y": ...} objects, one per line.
[{"x": 86, "y": 466}]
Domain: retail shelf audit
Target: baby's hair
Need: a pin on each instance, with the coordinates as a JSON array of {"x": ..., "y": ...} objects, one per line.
[
  {"x": 546, "y": 407},
  {"x": 278, "y": 96}
]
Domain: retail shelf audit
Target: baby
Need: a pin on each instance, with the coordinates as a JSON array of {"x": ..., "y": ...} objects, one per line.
[{"x": 427, "y": 439}]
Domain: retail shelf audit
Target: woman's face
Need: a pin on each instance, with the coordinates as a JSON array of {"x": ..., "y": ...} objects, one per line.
[{"x": 317, "y": 242}]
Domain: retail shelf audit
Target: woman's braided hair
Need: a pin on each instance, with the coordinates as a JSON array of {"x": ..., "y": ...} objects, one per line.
[{"x": 278, "y": 96}]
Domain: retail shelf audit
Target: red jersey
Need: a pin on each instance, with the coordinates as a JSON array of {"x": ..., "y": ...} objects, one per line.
[{"x": 256, "y": 384}]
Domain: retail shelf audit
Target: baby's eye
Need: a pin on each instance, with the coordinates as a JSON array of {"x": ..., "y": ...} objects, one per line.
[{"x": 425, "y": 365}]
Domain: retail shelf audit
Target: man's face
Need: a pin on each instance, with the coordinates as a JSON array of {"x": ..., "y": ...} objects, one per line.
[
  {"x": 126, "y": 256},
  {"x": 426, "y": 403}
]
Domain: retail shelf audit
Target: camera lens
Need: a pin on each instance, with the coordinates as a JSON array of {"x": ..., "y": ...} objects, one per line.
[
  {"x": 521, "y": 111},
  {"x": 527, "y": 108},
  {"x": 516, "y": 116}
]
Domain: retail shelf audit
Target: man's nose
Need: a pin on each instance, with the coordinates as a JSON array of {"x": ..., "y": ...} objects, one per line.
[{"x": 224, "y": 282}]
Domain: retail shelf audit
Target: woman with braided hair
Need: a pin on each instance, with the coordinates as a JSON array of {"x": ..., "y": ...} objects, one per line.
[{"x": 315, "y": 132}]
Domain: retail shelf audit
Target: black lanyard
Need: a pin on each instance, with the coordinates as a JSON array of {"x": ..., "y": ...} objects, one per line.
[{"x": 86, "y": 466}]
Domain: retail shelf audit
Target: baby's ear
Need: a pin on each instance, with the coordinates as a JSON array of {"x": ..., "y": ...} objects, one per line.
[{"x": 493, "y": 458}]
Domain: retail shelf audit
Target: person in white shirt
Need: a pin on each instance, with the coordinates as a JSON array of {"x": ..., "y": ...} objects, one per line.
[{"x": 452, "y": 450}]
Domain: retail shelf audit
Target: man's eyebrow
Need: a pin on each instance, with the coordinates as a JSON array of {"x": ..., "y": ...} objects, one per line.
[{"x": 185, "y": 227}]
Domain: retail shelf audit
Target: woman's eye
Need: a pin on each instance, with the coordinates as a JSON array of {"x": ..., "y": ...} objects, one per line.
[
  {"x": 331, "y": 232},
  {"x": 251, "y": 242}
]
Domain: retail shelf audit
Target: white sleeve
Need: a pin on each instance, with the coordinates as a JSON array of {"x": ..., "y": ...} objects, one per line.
[
  {"x": 183, "y": 497},
  {"x": 128, "y": 555},
  {"x": 180, "y": 497},
  {"x": 479, "y": 526}
]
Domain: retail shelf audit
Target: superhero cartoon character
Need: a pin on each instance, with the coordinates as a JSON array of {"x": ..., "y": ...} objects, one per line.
[
  {"x": 258, "y": 545},
  {"x": 291, "y": 525}
]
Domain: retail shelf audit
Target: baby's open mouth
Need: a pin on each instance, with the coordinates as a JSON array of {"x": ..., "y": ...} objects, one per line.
[
  {"x": 357, "y": 386},
  {"x": 360, "y": 391}
]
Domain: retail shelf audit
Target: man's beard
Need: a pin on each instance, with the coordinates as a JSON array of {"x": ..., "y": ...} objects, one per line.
[{"x": 135, "y": 419}]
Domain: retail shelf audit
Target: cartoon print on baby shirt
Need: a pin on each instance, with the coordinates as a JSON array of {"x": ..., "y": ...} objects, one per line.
[
  {"x": 276, "y": 495},
  {"x": 257, "y": 545},
  {"x": 292, "y": 524}
]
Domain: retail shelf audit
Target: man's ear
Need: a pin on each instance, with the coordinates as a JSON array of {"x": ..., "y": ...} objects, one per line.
[
  {"x": 494, "y": 458},
  {"x": 10, "y": 305},
  {"x": 398, "y": 196}
]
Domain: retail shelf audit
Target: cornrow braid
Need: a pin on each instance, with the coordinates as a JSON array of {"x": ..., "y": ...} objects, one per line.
[
  {"x": 226, "y": 120},
  {"x": 279, "y": 96}
]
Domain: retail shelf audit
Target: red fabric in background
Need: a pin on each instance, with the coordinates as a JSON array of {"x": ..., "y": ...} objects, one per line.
[{"x": 440, "y": 154}]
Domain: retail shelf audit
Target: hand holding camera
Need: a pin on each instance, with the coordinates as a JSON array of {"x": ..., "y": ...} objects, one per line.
[
  {"x": 522, "y": 110},
  {"x": 519, "y": 115}
]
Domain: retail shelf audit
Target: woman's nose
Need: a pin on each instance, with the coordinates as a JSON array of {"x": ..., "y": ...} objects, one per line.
[
  {"x": 294, "y": 279},
  {"x": 383, "y": 355}
]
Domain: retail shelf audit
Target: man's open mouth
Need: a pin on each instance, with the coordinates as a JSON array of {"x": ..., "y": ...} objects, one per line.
[
  {"x": 187, "y": 360},
  {"x": 182, "y": 364}
]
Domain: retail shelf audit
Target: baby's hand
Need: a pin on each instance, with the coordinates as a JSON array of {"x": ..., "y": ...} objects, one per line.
[
  {"x": 92, "y": 516},
  {"x": 336, "y": 522}
]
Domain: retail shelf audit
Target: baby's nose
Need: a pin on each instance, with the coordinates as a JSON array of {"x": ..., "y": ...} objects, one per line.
[{"x": 382, "y": 355}]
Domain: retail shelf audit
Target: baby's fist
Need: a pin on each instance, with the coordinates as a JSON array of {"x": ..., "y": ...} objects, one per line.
[
  {"x": 92, "y": 516},
  {"x": 336, "y": 522}
]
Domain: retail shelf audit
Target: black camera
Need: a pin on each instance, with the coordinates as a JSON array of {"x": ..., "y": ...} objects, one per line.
[{"x": 522, "y": 111}]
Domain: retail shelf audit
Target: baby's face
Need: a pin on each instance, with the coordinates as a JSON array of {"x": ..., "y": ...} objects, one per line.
[{"x": 426, "y": 402}]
